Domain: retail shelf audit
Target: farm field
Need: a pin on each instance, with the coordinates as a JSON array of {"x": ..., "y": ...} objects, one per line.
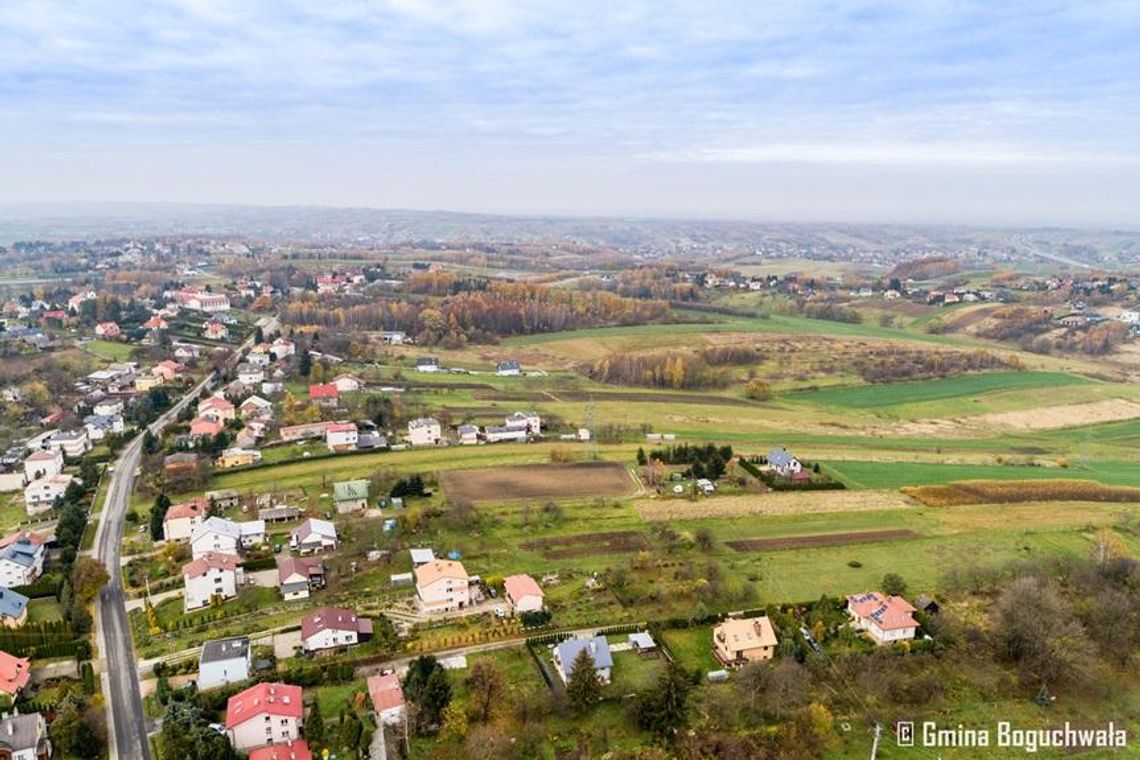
[
  {"x": 548, "y": 481},
  {"x": 897, "y": 394},
  {"x": 885, "y": 474}
]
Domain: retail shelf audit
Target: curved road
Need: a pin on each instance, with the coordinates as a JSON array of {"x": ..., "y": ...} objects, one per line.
[{"x": 127, "y": 734}]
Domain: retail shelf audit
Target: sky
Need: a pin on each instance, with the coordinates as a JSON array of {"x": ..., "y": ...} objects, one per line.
[{"x": 914, "y": 111}]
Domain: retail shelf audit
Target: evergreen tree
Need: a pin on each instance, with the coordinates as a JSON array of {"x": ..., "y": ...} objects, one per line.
[
  {"x": 72, "y": 733},
  {"x": 583, "y": 688},
  {"x": 661, "y": 710},
  {"x": 305, "y": 363},
  {"x": 158, "y": 515},
  {"x": 315, "y": 726}
]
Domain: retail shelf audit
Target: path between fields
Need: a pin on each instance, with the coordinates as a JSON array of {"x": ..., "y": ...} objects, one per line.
[{"x": 785, "y": 503}]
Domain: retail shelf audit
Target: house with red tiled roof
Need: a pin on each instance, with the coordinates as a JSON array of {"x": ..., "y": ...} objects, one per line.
[
  {"x": 201, "y": 427},
  {"x": 211, "y": 575},
  {"x": 216, "y": 408},
  {"x": 108, "y": 330},
  {"x": 333, "y": 627},
  {"x": 167, "y": 369},
  {"x": 265, "y": 714},
  {"x": 886, "y": 619},
  {"x": 524, "y": 593},
  {"x": 324, "y": 394},
  {"x": 14, "y": 674},
  {"x": 182, "y": 519},
  {"x": 387, "y": 698},
  {"x": 295, "y": 750},
  {"x": 442, "y": 585}
]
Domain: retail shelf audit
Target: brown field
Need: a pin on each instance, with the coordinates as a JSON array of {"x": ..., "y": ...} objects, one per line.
[
  {"x": 1067, "y": 415},
  {"x": 588, "y": 544},
  {"x": 1016, "y": 491},
  {"x": 538, "y": 481},
  {"x": 825, "y": 539},
  {"x": 775, "y": 503}
]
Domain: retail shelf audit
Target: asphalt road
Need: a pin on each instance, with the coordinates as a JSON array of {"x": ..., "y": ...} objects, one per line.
[{"x": 127, "y": 723}]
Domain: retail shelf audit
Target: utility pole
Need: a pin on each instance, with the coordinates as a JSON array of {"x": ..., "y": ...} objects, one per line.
[
  {"x": 875, "y": 742},
  {"x": 592, "y": 443}
]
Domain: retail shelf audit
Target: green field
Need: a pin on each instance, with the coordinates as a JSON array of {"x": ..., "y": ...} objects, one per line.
[
  {"x": 892, "y": 475},
  {"x": 895, "y": 394},
  {"x": 111, "y": 350}
]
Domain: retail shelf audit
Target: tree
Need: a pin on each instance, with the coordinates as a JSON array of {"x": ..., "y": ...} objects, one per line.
[
  {"x": 427, "y": 686},
  {"x": 305, "y": 363},
  {"x": 758, "y": 390},
  {"x": 893, "y": 584},
  {"x": 661, "y": 710},
  {"x": 87, "y": 578},
  {"x": 1106, "y": 547},
  {"x": 454, "y": 722},
  {"x": 704, "y": 539},
  {"x": 583, "y": 688},
  {"x": 485, "y": 686},
  {"x": 351, "y": 730},
  {"x": 186, "y": 733},
  {"x": 158, "y": 515},
  {"x": 315, "y": 725},
  {"x": 807, "y": 734},
  {"x": 641, "y": 458},
  {"x": 73, "y": 734},
  {"x": 1034, "y": 628}
]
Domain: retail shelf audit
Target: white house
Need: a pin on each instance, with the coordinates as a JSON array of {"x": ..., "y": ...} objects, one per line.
[
  {"x": 265, "y": 714},
  {"x": 21, "y": 559},
  {"x": 350, "y": 496},
  {"x": 43, "y": 463},
  {"x": 468, "y": 435},
  {"x": 223, "y": 661},
  {"x": 348, "y": 383},
  {"x": 211, "y": 575},
  {"x": 501, "y": 433},
  {"x": 217, "y": 534},
  {"x": 596, "y": 647},
  {"x": 427, "y": 364},
  {"x": 313, "y": 535},
  {"x": 99, "y": 426},
  {"x": 255, "y": 407},
  {"x": 73, "y": 443},
  {"x": 425, "y": 431},
  {"x": 249, "y": 374},
  {"x": 40, "y": 495},
  {"x": 508, "y": 368},
  {"x": 528, "y": 420},
  {"x": 24, "y": 737},
  {"x": 216, "y": 408},
  {"x": 297, "y": 576},
  {"x": 332, "y": 627},
  {"x": 181, "y": 519},
  {"x": 442, "y": 585},
  {"x": 341, "y": 437},
  {"x": 886, "y": 619},
  {"x": 387, "y": 698},
  {"x": 524, "y": 593},
  {"x": 108, "y": 407}
]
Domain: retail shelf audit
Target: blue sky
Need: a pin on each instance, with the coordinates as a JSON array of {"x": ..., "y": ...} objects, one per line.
[{"x": 1013, "y": 113}]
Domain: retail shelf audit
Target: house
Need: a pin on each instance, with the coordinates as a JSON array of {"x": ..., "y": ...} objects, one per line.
[
  {"x": 783, "y": 463},
  {"x": 886, "y": 619},
  {"x": 99, "y": 427},
  {"x": 598, "y": 649},
  {"x": 468, "y": 434},
  {"x": 294, "y": 750},
  {"x": 738, "y": 641},
  {"x": 442, "y": 585},
  {"x": 500, "y": 433},
  {"x": 237, "y": 457},
  {"x": 427, "y": 364},
  {"x": 24, "y": 737},
  {"x": 43, "y": 463},
  {"x": 350, "y": 496},
  {"x": 11, "y": 478},
  {"x": 528, "y": 421},
  {"x": 524, "y": 593},
  {"x": 424, "y": 431},
  {"x": 393, "y": 338},
  {"x": 168, "y": 370},
  {"x": 259, "y": 356},
  {"x": 182, "y": 519},
  {"x": 278, "y": 514},
  {"x": 223, "y": 661},
  {"x": 297, "y": 576},
  {"x": 13, "y": 608},
  {"x": 313, "y": 535},
  {"x": 21, "y": 558},
  {"x": 326, "y": 394},
  {"x": 249, "y": 374},
  {"x": 200, "y": 300},
  {"x": 341, "y": 437},
  {"x": 73, "y": 443},
  {"x": 216, "y": 408},
  {"x": 143, "y": 383},
  {"x": 641, "y": 641},
  {"x": 927, "y": 604},
  {"x": 212, "y": 330},
  {"x": 202, "y": 427},
  {"x": 348, "y": 383},
  {"x": 387, "y": 698},
  {"x": 40, "y": 495},
  {"x": 508, "y": 368},
  {"x": 108, "y": 407},
  {"x": 180, "y": 464},
  {"x": 14, "y": 674},
  {"x": 219, "y": 535},
  {"x": 282, "y": 348},
  {"x": 108, "y": 330},
  {"x": 333, "y": 627},
  {"x": 421, "y": 556},
  {"x": 255, "y": 407},
  {"x": 226, "y": 498},
  {"x": 303, "y": 432},
  {"x": 209, "y": 576},
  {"x": 156, "y": 322},
  {"x": 186, "y": 352},
  {"x": 265, "y": 714}
]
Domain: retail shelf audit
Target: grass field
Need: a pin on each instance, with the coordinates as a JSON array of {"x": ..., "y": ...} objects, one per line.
[
  {"x": 111, "y": 350},
  {"x": 896, "y": 394},
  {"x": 893, "y": 475}
]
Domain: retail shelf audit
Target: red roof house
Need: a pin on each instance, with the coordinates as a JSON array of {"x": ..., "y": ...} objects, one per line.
[{"x": 14, "y": 673}]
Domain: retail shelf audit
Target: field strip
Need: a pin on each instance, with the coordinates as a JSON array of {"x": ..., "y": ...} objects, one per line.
[
  {"x": 1028, "y": 420},
  {"x": 778, "y": 503},
  {"x": 820, "y": 539}
]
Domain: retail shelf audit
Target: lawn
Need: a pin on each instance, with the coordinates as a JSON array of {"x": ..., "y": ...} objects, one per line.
[
  {"x": 895, "y": 394},
  {"x": 632, "y": 673},
  {"x": 692, "y": 647},
  {"x": 46, "y": 610},
  {"x": 111, "y": 350}
]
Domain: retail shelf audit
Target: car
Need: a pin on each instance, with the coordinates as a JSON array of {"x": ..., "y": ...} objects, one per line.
[
  {"x": 500, "y": 612},
  {"x": 218, "y": 727}
]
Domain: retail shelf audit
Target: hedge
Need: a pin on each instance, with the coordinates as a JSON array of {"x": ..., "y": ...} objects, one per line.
[{"x": 48, "y": 585}]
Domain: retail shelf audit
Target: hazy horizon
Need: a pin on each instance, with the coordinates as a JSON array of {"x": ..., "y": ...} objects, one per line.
[{"x": 877, "y": 113}]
